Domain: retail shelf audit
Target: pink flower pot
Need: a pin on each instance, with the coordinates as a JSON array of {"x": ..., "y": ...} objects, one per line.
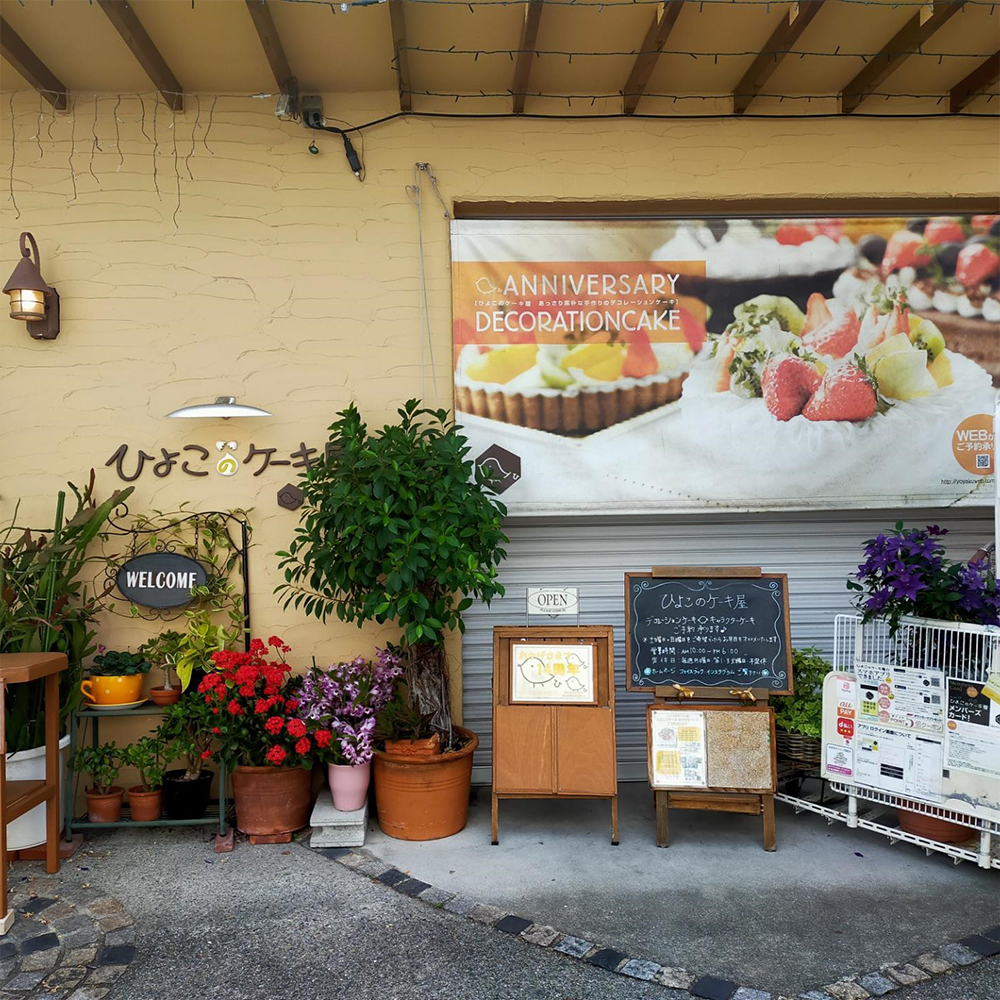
[{"x": 349, "y": 784}]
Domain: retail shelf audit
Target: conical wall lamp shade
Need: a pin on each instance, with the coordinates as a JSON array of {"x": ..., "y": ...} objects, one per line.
[{"x": 224, "y": 407}]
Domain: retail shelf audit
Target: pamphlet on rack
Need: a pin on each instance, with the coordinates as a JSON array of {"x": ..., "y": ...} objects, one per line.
[
  {"x": 972, "y": 742},
  {"x": 904, "y": 763},
  {"x": 904, "y": 698}
]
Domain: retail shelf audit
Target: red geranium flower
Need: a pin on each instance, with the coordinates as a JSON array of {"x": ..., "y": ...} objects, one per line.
[
  {"x": 216, "y": 729},
  {"x": 291, "y": 705},
  {"x": 205, "y": 754},
  {"x": 275, "y": 641},
  {"x": 274, "y": 725},
  {"x": 323, "y": 737},
  {"x": 276, "y": 755},
  {"x": 303, "y": 745},
  {"x": 235, "y": 708},
  {"x": 296, "y": 728}
]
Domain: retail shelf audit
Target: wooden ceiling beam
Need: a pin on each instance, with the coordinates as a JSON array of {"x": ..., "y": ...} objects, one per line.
[
  {"x": 652, "y": 45},
  {"x": 281, "y": 69},
  {"x": 917, "y": 30},
  {"x": 397, "y": 21},
  {"x": 122, "y": 16},
  {"x": 984, "y": 75},
  {"x": 16, "y": 51},
  {"x": 773, "y": 52},
  {"x": 526, "y": 53}
]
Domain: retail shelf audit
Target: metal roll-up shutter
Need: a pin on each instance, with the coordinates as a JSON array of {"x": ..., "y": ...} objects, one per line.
[{"x": 817, "y": 550}]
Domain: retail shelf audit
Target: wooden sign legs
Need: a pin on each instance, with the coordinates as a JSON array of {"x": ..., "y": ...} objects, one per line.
[
  {"x": 751, "y": 803},
  {"x": 495, "y": 812}
]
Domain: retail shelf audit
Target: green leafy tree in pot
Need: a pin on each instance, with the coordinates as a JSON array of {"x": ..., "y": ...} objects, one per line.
[
  {"x": 398, "y": 527},
  {"x": 802, "y": 712},
  {"x": 187, "y": 730}
]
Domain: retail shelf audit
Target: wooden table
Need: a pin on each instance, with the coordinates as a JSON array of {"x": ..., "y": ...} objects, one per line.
[{"x": 17, "y": 797}]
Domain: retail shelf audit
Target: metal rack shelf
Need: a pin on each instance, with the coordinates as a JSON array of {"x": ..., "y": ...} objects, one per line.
[
  {"x": 848, "y": 812},
  {"x": 218, "y": 815}
]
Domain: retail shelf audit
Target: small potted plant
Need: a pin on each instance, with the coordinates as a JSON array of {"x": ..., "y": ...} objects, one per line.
[
  {"x": 340, "y": 704},
  {"x": 162, "y": 651},
  {"x": 147, "y": 756},
  {"x": 187, "y": 729},
  {"x": 115, "y": 677},
  {"x": 907, "y": 573},
  {"x": 261, "y": 740},
  {"x": 103, "y": 763},
  {"x": 798, "y": 718}
]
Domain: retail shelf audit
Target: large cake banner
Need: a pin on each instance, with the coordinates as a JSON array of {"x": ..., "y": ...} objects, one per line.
[{"x": 754, "y": 364}]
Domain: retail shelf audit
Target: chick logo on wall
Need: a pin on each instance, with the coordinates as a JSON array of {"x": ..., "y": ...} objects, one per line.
[{"x": 229, "y": 464}]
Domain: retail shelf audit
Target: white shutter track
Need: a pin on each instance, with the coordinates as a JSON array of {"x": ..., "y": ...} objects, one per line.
[{"x": 816, "y": 550}]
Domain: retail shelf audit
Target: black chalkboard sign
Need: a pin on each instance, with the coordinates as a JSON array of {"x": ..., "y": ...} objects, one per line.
[{"x": 707, "y": 631}]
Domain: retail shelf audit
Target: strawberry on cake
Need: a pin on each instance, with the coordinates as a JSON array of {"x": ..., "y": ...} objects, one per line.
[{"x": 805, "y": 402}]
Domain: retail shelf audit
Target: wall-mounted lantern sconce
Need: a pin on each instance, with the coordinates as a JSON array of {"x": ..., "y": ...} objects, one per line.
[
  {"x": 224, "y": 407},
  {"x": 30, "y": 298}
]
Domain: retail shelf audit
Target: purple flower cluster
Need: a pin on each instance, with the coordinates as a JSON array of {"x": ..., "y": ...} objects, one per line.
[
  {"x": 905, "y": 572},
  {"x": 344, "y": 700}
]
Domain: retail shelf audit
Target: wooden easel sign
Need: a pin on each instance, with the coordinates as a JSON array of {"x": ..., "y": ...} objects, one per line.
[
  {"x": 720, "y": 758},
  {"x": 554, "y": 715}
]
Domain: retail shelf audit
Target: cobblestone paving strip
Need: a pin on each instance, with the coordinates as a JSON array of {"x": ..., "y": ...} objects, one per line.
[
  {"x": 883, "y": 981},
  {"x": 68, "y": 941}
]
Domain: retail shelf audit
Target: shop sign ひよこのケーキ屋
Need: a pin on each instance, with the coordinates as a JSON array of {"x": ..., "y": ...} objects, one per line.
[
  {"x": 160, "y": 579},
  {"x": 751, "y": 364}
]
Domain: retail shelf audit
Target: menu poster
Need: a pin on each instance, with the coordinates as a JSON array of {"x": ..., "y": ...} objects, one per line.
[
  {"x": 677, "y": 750},
  {"x": 972, "y": 741},
  {"x": 905, "y": 698},
  {"x": 903, "y": 763}
]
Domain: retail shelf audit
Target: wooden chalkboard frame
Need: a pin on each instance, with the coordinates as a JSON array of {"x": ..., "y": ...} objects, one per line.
[
  {"x": 708, "y": 573},
  {"x": 688, "y": 707}
]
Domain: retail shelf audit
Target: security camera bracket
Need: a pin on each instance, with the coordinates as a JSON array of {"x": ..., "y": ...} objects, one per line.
[{"x": 312, "y": 111}]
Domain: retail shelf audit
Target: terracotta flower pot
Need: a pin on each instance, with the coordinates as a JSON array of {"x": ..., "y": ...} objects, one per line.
[
  {"x": 941, "y": 830},
  {"x": 165, "y": 696},
  {"x": 145, "y": 806},
  {"x": 271, "y": 800},
  {"x": 105, "y": 807},
  {"x": 424, "y": 797}
]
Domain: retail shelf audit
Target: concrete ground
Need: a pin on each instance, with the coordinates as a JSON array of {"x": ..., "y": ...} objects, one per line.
[
  {"x": 272, "y": 922},
  {"x": 830, "y": 902}
]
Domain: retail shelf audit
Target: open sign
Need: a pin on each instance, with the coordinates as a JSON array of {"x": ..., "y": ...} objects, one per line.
[
  {"x": 160, "y": 579},
  {"x": 553, "y": 600}
]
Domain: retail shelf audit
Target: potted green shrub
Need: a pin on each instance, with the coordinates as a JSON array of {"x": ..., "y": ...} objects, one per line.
[
  {"x": 115, "y": 677},
  {"x": 187, "y": 730},
  {"x": 163, "y": 651},
  {"x": 103, "y": 763},
  {"x": 147, "y": 756},
  {"x": 399, "y": 527},
  {"x": 798, "y": 718},
  {"x": 47, "y": 605}
]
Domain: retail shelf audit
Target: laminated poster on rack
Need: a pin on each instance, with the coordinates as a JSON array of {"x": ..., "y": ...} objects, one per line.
[
  {"x": 904, "y": 698},
  {"x": 677, "y": 747},
  {"x": 902, "y": 763},
  {"x": 972, "y": 742}
]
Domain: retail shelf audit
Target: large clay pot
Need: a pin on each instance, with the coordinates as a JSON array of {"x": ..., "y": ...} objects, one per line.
[
  {"x": 105, "y": 807},
  {"x": 349, "y": 784},
  {"x": 271, "y": 800},
  {"x": 941, "y": 830},
  {"x": 186, "y": 799},
  {"x": 145, "y": 806},
  {"x": 424, "y": 798}
]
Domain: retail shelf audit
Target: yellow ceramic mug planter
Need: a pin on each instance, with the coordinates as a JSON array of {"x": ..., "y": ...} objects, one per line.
[{"x": 115, "y": 678}]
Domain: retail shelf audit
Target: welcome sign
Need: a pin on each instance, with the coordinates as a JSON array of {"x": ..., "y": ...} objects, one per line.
[
  {"x": 160, "y": 579},
  {"x": 753, "y": 364}
]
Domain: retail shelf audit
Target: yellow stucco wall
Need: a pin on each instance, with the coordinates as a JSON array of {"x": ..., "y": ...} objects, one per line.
[{"x": 214, "y": 255}]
